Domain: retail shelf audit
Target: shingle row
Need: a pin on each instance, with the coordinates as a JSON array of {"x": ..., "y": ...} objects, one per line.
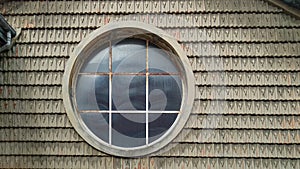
[
  {"x": 245, "y": 64},
  {"x": 246, "y": 107},
  {"x": 29, "y": 106},
  {"x": 262, "y": 136},
  {"x": 243, "y": 122},
  {"x": 248, "y": 93},
  {"x": 163, "y": 20},
  {"x": 74, "y": 35},
  {"x": 234, "y": 151},
  {"x": 46, "y": 135},
  {"x": 34, "y": 120},
  {"x": 36, "y": 92},
  {"x": 248, "y": 78},
  {"x": 225, "y": 163},
  {"x": 132, "y": 6}
]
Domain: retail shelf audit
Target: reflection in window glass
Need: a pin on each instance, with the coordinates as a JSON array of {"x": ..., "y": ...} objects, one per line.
[
  {"x": 164, "y": 93},
  {"x": 128, "y": 92},
  {"x": 99, "y": 62},
  {"x": 160, "y": 124},
  {"x": 160, "y": 59},
  {"x": 97, "y": 123},
  {"x": 141, "y": 93},
  {"x": 129, "y": 56},
  {"x": 129, "y": 130},
  {"x": 128, "y": 88},
  {"x": 88, "y": 97}
]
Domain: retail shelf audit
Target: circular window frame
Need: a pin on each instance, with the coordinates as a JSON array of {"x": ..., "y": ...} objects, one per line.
[{"x": 84, "y": 49}]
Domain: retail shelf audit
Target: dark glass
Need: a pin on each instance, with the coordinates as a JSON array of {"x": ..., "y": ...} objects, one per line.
[
  {"x": 129, "y": 56},
  {"x": 129, "y": 129},
  {"x": 102, "y": 92},
  {"x": 98, "y": 124},
  {"x": 129, "y": 92},
  {"x": 92, "y": 92},
  {"x": 159, "y": 124},
  {"x": 165, "y": 93}
]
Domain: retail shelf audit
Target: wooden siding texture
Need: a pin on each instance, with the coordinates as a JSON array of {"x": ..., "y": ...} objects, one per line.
[{"x": 246, "y": 62}]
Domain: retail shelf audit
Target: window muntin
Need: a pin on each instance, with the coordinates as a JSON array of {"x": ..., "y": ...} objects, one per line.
[
  {"x": 94, "y": 77},
  {"x": 134, "y": 67}
]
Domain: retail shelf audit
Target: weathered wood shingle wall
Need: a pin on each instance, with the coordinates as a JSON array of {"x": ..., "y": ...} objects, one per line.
[{"x": 245, "y": 57}]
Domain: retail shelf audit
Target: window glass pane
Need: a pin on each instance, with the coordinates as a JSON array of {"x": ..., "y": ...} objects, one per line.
[
  {"x": 124, "y": 88},
  {"x": 95, "y": 96},
  {"x": 98, "y": 123},
  {"x": 129, "y": 56},
  {"x": 129, "y": 129},
  {"x": 159, "y": 124},
  {"x": 165, "y": 93},
  {"x": 129, "y": 92},
  {"x": 99, "y": 62},
  {"x": 160, "y": 60}
]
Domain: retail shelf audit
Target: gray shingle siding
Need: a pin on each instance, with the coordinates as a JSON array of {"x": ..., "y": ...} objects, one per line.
[{"x": 245, "y": 58}]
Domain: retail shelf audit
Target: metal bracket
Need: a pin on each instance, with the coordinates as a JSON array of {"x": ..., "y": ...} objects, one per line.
[{"x": 7, "y": 33}]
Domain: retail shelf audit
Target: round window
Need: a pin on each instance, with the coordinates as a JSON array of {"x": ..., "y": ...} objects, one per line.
[{"x": 128, "y": 89}]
